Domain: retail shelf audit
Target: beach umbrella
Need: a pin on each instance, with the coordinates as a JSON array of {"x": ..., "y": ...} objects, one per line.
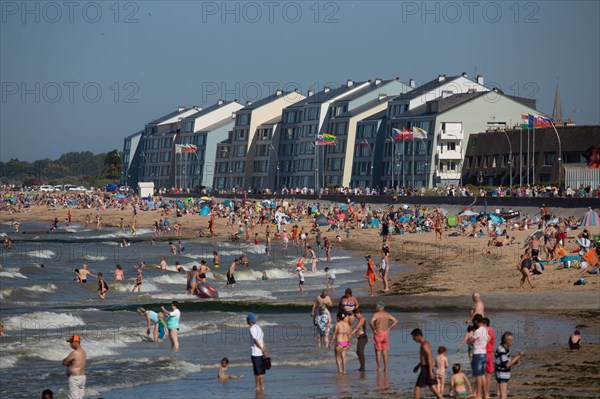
[
  {"x": 205, "y": 198},
  {"x": 407, "y": 211},
  {"x": 204, "y": 211},
  {"x": 227, "y": 203},
  {"x": 321, "y": 220},
  {"x": 590, "y": 218},
  {"x": 404, "y": 219},
  {"x": 536, "y": 234},
  {"x": 468, "y": 213},
  {"x": 444, "y": 211},
  {"x": 496, "y": 219},
  {"x": 119, "y": 196}
]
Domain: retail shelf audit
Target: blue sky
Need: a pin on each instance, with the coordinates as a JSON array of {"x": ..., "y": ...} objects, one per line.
[{"x": 83, "y": 77}]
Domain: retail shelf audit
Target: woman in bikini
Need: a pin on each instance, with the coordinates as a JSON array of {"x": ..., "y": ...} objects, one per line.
[
  {"x": 341, "y": 334},
  {"x": 347, "y": 305}
]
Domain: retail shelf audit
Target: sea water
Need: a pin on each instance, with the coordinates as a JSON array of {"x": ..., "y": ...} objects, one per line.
[{"x": 42, "y": 306}]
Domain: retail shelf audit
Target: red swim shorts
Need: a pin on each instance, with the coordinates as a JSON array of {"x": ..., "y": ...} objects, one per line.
[{"x": 381, "y": 342}]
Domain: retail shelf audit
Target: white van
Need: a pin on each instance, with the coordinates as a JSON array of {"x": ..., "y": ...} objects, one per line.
[{"x": 47, "y": 188}]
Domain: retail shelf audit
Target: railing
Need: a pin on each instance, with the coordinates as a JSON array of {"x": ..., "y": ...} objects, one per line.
[{"x": 453, "y": 135}]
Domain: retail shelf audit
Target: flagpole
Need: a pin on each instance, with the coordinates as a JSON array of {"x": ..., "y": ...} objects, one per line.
[
  {"x": 559, "y": 151},
  {"x": 520, "y": 157},
  {"x": 393, "y": 160},
  {"x": 413, "y": 162},
  {"x": 403, "y": 164},
  {"x": 528, "y": 157},
  {"x": 533, "y": 155}
]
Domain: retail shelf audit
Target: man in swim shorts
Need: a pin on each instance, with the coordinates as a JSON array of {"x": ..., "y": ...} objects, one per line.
[
  {"x": 75, "y": 364},
  {"x": 426, "y": 377},
  {"x": 381, "y": 324}
]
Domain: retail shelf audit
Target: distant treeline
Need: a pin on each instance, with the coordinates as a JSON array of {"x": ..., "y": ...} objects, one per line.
[{"x": 81, "y": 168}]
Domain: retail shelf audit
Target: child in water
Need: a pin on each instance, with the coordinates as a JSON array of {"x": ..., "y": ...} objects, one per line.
[
  {"x": 222, "y": 373},
  {"x": 264, "y": 276},
  {"x": 440, "y": 363},
  {"x": 459, "y": 383}
]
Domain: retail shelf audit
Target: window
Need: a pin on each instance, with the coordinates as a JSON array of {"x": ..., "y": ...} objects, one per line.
[
  {"x": 239, "y": 150},
  {"x": 166, "y": 156},
  {"x": 473, "y": 141},
  {"x": 451, "y": 146},
  {"x": 311, "y": 114},
  {"x": 549, "y": 158},
  {"x": 187, "y": 127},
  {"x": 243, "y": 119},
  {"x": 338, "y": 110},
  {"x": 240, "y": 135}
]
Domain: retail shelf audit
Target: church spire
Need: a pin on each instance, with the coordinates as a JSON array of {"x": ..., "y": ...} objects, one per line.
[{"x": 557, "y": 113}]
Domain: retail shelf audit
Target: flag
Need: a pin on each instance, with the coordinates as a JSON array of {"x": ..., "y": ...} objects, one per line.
[
  {"x": 189, "y": 148},
  {"x": 530, "y": 121},
  {"x": 419, "y": 133},
  {"x": 185, "y": 148},
  {"x": 326, "y": 139},
  {"x": 524, "y": 121},
  {"x": 398, "y": 135},
  {"x": 543, "y": 121}
]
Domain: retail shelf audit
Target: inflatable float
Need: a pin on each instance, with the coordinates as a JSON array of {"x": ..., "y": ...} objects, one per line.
[{"x": 206, "y": 291}]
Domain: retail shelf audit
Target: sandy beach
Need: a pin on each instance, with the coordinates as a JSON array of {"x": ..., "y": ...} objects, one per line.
[{"x": 443, "y": 276}]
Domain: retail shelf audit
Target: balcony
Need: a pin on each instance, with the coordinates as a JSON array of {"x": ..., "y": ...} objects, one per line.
[
  {"x": 451, "y": 135},
  {"x": 450, "y": 175},
  {"x": 449, "y": 155}
]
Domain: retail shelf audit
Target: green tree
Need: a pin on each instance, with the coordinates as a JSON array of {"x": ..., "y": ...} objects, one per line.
[{"x": 112, "y": 165}]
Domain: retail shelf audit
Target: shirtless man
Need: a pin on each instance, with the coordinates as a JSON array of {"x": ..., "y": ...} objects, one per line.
[
  {"x": 75, "y": 364},
  {"x": 478, "y": 307},
  {"x": 534, "y": 244},
  {"x": 83, "y": 273},
  {"x": 381, "y": 324},
  {"x": 230, "y": 271},
  {"x": 163, "y": 263},
  {"x": 323, "y": 299},
  {"x": 426, "y": 377}
]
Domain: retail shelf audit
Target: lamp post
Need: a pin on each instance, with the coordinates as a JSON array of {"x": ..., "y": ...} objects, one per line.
[
  {"x": 277, "y": 157},
  {"x": 145, "y": 168},
  {"x": 559, "y": 151},
  {"x": 372, "y": 160},
  {"x": 509, "y": 159}
]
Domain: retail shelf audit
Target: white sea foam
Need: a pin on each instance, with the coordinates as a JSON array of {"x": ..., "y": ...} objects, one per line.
[
  {"x": 6, "y": 292},
  {"x": 42, "y": 253},
  {"x": 169, "y": 279},
  {"x": 182, "y": 296},
  {"x": 47, "y": 320},
  {"x": 94, "y": 258},
  {"x": 11, "y": 273},
  {"x": 45, "y": 288},
  {"x": 245, "y": 294},
  {"x": 146, "y": 287},
  {"x": 8, "y": 361}
]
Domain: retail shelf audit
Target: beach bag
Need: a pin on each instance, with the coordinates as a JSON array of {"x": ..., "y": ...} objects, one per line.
[
  {"x": 267, "y": 363},
  {"x": 581, "y": 281}
]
